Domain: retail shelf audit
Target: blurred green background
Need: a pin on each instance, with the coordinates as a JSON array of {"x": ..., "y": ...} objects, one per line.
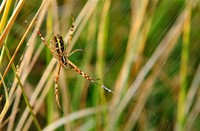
[{"x": 146, "y": 51}]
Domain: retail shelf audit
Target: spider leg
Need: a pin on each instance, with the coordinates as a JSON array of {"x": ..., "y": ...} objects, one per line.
[
  {"x": 79, "y": 71},
  {"x": 55, "y": 55},
  {"x": 74, "y": 51},
  {"x": 42, "y": 38},
  {"x": 54, "y": 52},
  {"x": 56, "y": 85},
  {"x": 71, "y": 33}
]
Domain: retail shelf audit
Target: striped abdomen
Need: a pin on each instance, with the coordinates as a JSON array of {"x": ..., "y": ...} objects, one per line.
[{"x": 57, "y": 44}]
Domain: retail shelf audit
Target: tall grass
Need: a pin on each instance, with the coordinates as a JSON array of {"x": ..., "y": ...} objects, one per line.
[{"x": 147, "y": 52}]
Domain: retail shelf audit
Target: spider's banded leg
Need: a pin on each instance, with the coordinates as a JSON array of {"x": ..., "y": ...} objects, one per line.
[
  {"x": 71, "y": 32},
  {"x": 74, "y": 51},
  {"x": 54, "y": 53},
  {"x": 56, "y": 85},
  {"x": 79, "y": 71},
  {"x": 42, "y": 38}
]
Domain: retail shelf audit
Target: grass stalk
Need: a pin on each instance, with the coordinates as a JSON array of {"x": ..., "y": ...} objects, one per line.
[
  {"x": 11, "y": 22},
  {"x": 5, "y": 15},
  {"x": 137, "y": 19},
  {"x": 146, "y": 89},
  {"x": 181, "y": 109},
  {"x": 3, "y": 112},
  {"x": 2, "y": 25},
  {"x": 170, "y": 38},
  {"x": 3, "y": 3},
  {"x": 50, "y": 95},
  {"x": 23, "y": 91},
  {"x": 102, "y": 39},
  {"x": 20, "y": 43},
  {"x": 40, "y": 101},
  {"x": 102, "y": 42},
  {"x": 73, "y": 116},
  {"x": 195, "y": 109}
]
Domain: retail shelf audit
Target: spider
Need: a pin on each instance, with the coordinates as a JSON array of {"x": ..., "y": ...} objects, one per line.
[{"x": 61, "y": 53}]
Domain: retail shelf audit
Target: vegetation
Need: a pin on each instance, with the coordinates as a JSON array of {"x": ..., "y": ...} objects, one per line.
[{"x": 147, "y": 52}]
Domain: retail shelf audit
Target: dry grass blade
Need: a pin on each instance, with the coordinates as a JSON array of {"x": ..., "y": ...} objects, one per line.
[
  {"x": 3, "y": 112},
  {"x": 2, "y": 5},
  {"x": 193, "y": 90},
  {"x": 171, "y": 38},
  {"x": 73, "y": 116},
  {"x": 137, "y": 19},
  {"x": 35, "y": 94},
  {"x": 194, "y": 113},
  {"x": 5, "y": 14},
  {"x": 39, "y": 102},
  {"x": 181, "y": 115},
  {"x": 11, "y": 21},
  {"x": 21, "y": 42}
]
